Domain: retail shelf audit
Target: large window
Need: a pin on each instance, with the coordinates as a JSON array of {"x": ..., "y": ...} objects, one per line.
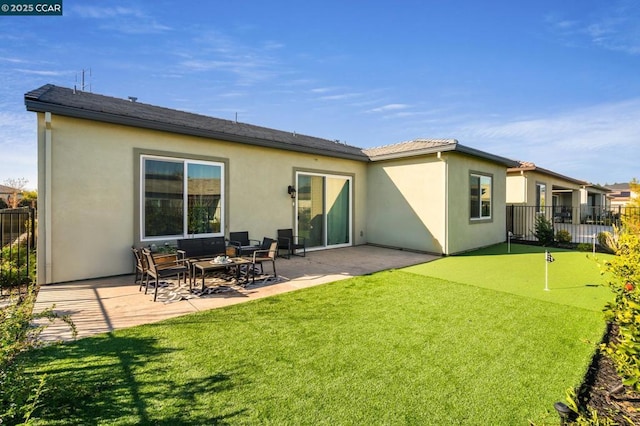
[
  {"x": 480, "y": 196},
  {"x": 180, "y": 198}
]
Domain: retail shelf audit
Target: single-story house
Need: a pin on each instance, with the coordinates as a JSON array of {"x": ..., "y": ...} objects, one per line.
[
  {"x": 115, "y": 173},
  {"x": 564, "y": 198}
]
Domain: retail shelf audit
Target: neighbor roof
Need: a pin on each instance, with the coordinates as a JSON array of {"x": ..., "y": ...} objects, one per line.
[
  {"x": 8, "y": 190},
  {"x": 523, "y": 166},
  {"x": 78, "y": 104}
]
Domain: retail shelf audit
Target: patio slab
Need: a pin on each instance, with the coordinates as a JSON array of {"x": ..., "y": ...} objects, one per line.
[{"x": 107, "y": 304}]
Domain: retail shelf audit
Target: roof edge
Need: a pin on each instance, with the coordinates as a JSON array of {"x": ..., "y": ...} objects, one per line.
[{"x": 34, "y": 105}]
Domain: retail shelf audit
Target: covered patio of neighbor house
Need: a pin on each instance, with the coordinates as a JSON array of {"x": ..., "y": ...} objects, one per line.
[{"x": 107, "y": 304}]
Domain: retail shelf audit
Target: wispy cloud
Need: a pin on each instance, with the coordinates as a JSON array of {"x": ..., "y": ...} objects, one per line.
[
  {"x": 617, "y": 28},
  {"x": 581, "y": 142},
  {"x": 125, "y": 20},
  {"x": 43, "y": 73},
  {"x": 340, "y": 96},
  {"x": 389, "y": 107}
]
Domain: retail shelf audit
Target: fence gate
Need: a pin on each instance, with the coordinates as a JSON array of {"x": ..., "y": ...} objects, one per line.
[{"x": 17, "y": 247}]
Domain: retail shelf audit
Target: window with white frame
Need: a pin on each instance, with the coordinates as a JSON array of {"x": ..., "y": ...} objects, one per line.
[
  {"x": 480, "y": 196},
  {"x": 180, "y": 198}
]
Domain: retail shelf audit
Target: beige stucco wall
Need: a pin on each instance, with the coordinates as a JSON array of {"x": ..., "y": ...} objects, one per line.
[
  {"x": 93, "y": 186},
  {"x": 423, "y": 204},
  {"x": 465, "y": 234},
  {"x": 517, "y": 189},
  {"x": 406, "y": 204}
]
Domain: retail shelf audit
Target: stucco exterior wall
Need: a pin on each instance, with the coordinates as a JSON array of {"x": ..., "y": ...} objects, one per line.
[
  {"x": 94, "y": 185},
  {"x": 464, "y": 233},
  {"x": 423, "y": 204},
  {"x": 517, "y": 189},
  {"x": 406, "y": 204}
]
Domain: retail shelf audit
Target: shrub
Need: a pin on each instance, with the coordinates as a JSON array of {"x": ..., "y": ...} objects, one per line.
[
  {"x": 544, "y": 230},
  {"x": 584, "y": 247},
  {"x": 624, "y": 311},
  {"x": 17, "y": 265},
  {"x": 18, "y": 334},
  {"x": 605, "y": 241},
  {"x": 563, "y": 236}
]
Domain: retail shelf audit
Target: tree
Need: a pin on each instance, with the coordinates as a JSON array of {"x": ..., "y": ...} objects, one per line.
[
  {"x": 29, "y": 199},
  {"x": 17, "y": 184}
]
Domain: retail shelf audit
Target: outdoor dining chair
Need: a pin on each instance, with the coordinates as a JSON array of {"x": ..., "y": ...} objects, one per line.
[
  {"x": 161, "y": 270},
  {"x": 242, "y": 243},
  {"x": 259, "y": 257},
  {"x": 291, "y": 243}
]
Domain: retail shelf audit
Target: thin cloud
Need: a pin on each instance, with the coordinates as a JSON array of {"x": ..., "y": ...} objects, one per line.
[
  {"x": 97, "y": 12},
  {"x": 579, "y": 143},
  {"x": 389, "y": 107},
  {"x": 44, "y": 73},
  {"x": 124, "y": 20},
  {"x": 617, "y": 28},
  {"x": 340, "y": 97}
]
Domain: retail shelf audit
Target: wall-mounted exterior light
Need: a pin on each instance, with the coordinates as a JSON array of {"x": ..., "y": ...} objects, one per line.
[{"x": 291, "y": 190}]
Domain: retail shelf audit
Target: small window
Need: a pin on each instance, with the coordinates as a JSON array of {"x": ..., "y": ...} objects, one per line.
[
  {"x": 541, "y": 196},
  {"x": 480, "y": 196},
  {"x": 180, "y": 198}
]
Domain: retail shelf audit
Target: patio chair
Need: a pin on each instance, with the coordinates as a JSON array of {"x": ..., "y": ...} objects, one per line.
[
  {"x": 161, "y": 270},
  {"x": 242, "y": 243},
  {"x": 291, "y": 243},
  {"x": 261, "y": 256},
  {"x": 140, "y": 268}
]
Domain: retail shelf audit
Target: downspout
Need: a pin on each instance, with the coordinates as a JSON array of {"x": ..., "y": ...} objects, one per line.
[
  {"x": 445, "y": 249},
  {"x": 47, "y": 198}
]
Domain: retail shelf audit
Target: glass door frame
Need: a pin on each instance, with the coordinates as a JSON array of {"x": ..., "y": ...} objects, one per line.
[{"x": 324, "y": 244}]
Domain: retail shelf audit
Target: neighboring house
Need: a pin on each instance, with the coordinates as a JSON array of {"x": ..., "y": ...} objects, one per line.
[
  {"x": 620, "y": 195},
  {"x": 594, "y": 201},
  {"x": 563, "y": 198},
  {"x": 113, "y": 173},
  {"x": 8, "y": 194}
]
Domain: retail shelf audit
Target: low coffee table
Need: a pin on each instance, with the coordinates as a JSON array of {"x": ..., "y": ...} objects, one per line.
[{"x": 205, "y": 266}]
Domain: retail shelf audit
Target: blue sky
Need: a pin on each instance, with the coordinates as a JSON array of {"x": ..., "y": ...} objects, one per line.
[{"x": 553, "y": 82}]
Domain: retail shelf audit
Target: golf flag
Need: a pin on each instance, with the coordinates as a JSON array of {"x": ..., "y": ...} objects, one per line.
[{"x": 548, "y": 260}]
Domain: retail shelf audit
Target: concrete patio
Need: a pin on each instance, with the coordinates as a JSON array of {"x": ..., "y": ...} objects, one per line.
[{"x": 107, "y": 304}]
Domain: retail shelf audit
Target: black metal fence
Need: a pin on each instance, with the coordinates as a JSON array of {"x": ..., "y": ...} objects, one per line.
[
  {"x": 583, "y": 223},
  {"x": 17, "y": 247}
]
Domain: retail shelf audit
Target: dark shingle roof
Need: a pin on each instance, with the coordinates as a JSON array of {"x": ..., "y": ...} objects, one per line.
[
  {"x": 69, "y": 102},
  {"x": 78, "y": 104}
]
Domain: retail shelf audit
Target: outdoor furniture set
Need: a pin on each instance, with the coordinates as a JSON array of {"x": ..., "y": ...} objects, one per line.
[{"x": 198, "y": 256}]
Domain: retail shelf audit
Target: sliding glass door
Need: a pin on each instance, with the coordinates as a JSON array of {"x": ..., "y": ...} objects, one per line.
[{"x": 324, "y": 209}]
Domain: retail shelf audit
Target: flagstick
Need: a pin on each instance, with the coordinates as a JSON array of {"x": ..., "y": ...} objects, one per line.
[{"x": 546, "y": 272}]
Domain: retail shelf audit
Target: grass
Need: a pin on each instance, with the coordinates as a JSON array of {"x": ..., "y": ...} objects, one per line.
[
  {"x": 573, "y": 278},
  {"x": 396, "y": 347}
]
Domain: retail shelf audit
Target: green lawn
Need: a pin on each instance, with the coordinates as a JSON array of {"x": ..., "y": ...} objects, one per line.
[
  {"x": 396, "y": 347},
  {"x": 573, "y": 278}
]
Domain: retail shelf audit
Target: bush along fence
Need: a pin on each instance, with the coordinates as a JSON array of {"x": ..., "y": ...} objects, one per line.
[
  {"x": 17, "y": 248},
  {"x": 581, "y": 225}
]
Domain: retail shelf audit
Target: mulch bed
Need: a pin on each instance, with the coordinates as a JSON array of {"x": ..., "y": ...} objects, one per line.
[{"x": 603, "y": 391}]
